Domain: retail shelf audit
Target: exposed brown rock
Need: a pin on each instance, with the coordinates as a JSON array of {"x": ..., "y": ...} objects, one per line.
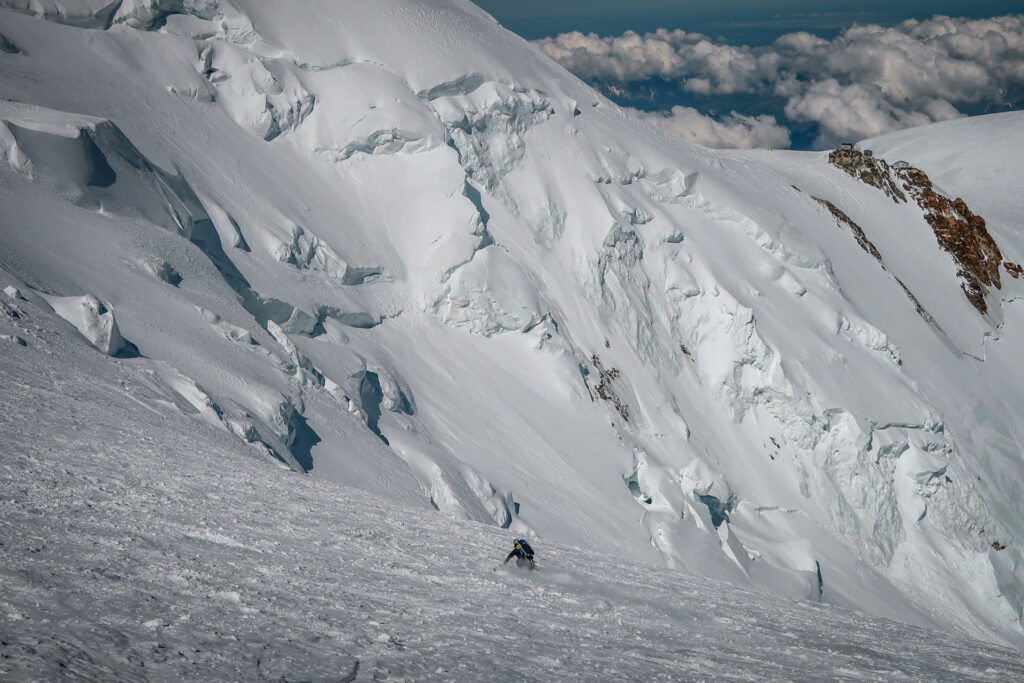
[
  {"x": 604, "y": 389},
  {"x": 874, "y": 172},
  {"x": 959, "y": 231},
  {"x": 1013, "y": 269},
  {"x": 858, "y": 233},
  {"x": 962, "y": 233}
]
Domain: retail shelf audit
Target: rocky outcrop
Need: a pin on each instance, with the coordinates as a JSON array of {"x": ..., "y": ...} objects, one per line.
[
  {"x": 874, "y": 172},
  {"x": 604, "y": 389},
  {"x": 858, "y": 232},
  {"x": 959, "y": 231}
]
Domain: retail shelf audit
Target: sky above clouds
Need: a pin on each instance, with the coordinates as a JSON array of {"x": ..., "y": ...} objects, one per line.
[{"x": 792, "y": 74}]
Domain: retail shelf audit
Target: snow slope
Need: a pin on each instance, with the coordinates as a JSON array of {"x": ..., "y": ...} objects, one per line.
[
  {"x": 139, "y": 545},
  {"x": 392, "y": 245}
]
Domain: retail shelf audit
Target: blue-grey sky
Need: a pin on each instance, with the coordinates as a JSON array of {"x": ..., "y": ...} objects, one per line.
[
  {"x": 794, "y": 73},
  {"x": 751, "y": 22}
]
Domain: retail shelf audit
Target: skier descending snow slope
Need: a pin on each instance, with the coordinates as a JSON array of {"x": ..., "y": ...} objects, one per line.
[
  {"x": 392, "y": 245},
  {"x": 139, "y": 544}
]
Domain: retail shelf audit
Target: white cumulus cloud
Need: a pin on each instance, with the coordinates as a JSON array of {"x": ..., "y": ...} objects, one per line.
[
  {"x": 852, "y": 112},
  {"x": 734, "y": 131},
  {"x": 867, "y": 80}
]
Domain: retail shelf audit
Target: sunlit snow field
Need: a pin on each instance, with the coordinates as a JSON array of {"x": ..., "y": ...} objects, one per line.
[
  {"x": 140, "y": 545},
  {"x": 307, "y": 314}
]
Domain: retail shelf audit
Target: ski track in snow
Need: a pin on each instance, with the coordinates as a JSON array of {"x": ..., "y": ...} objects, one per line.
[{"x": 145, "y": 546}]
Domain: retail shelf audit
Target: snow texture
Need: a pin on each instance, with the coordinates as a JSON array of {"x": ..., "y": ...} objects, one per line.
[
  {"x": 394, "y": 247},
  {"x": 140, "y": 545}
]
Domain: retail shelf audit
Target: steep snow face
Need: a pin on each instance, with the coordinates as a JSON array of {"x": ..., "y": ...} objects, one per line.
[
  {"x": 392, "y": 245},
  {"x": 140, "y": 544}
]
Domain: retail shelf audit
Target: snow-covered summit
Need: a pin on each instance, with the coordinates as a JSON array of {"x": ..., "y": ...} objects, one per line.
[{"x": 394, "y": 246}]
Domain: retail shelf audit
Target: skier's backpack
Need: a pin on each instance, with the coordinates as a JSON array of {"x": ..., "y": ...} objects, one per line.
[{"x": 523, "y": 549}]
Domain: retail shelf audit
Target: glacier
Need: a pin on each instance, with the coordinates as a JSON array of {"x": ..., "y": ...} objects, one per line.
[{"x": 394, "y": 247}]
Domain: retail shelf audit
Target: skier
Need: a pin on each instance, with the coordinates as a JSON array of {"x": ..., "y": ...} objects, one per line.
[{"x": 523, "y": 554}]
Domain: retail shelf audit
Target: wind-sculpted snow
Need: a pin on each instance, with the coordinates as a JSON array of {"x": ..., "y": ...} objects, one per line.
[
  {"x": 669, "y": 186},
  {"x": 8, "y": 47},
  {"x": 62, "y": 149},
  {"x": 202, "y": 18},
  {"x": 462, "y": 85},
  {"x": 139, "y": 545},
  {"x": 95, "y": 321},
  {"x": 379, "y": 142},
  {"x": 548, "y": 225},
  {"x": 491, "y": 294},
  {"x": 263, "y": 102},
  {"x": 309, "y": 252},
  {"x": 85, "y": 14},
  {"x": 486, "y": 127},
  {"x": 393, "y": 246}
]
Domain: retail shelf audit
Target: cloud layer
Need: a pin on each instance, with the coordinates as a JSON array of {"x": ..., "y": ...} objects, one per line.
[
  {"x": 733, "y": 131},
  {"x": 868, "y": 80}
]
